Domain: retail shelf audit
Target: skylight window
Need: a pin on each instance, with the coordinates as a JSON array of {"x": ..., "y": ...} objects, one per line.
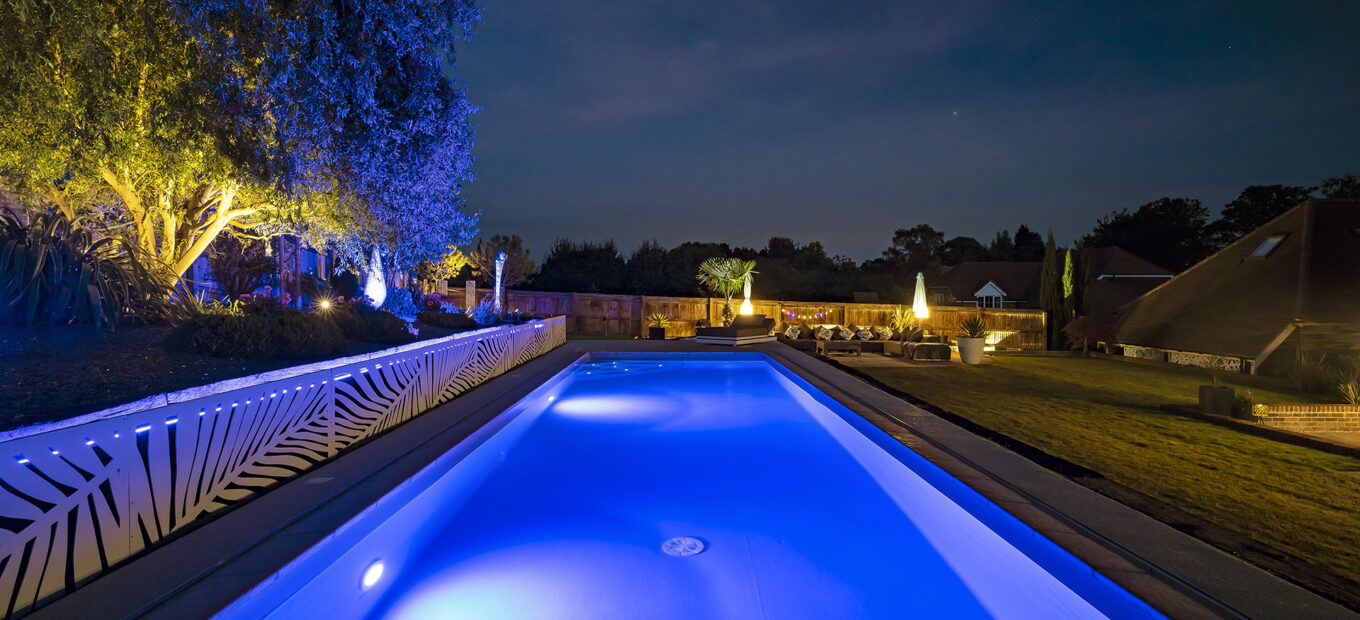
[{"x": 1267, "y": 246}]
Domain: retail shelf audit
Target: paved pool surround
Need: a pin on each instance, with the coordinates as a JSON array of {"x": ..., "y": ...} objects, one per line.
[{"x": 225, "y": 558}]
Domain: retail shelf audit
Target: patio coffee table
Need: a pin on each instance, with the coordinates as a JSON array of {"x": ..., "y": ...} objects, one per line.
[{"x": 824, "y": 347}]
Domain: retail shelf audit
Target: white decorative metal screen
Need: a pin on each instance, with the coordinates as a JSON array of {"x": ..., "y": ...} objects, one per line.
[{"x": 77, "y": 500}]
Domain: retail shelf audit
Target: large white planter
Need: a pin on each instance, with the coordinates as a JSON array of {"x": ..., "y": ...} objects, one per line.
[{"x": 970, "y": 350}]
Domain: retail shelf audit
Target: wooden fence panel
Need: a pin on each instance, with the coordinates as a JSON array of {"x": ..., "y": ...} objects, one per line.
[{"x": 1014, "y": 328}]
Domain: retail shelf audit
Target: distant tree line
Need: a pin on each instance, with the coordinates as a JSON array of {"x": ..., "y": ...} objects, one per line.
[{"x": 1173, "y": 233}]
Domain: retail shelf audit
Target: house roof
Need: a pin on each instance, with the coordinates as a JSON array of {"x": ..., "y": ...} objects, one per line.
[
  {"x": 1117, "y": 277},
  {"x": 1116, "y": 261},
  {"x": 1020, "y": 279},
  {"x": 1234, "y": 304}
]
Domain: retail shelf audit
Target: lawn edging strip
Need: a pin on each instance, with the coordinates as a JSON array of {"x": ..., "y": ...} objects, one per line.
[{"x": 1281, "y": 435}]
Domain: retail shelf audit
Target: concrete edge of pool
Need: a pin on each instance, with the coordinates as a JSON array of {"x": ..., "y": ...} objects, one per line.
[{"x": 1174, "y": 572}]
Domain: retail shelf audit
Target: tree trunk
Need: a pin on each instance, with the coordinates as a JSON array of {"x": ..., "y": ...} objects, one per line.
[{"x": 728, "y": 314}]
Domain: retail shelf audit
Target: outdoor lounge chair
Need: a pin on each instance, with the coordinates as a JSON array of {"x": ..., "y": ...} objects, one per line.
[{"x": 918, "y": 346}]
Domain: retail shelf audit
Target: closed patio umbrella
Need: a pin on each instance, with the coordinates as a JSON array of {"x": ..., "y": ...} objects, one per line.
[{"x": 918, "y": 304}]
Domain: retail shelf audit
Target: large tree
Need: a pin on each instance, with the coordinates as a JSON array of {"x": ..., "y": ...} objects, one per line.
[
  {"x": 518, "y": 264},
  {"x": 348, "y": 106},
  {"x": 1029, "y": 246},
  {"x": 173, "y": 121},
  {"x": 1050, "y": 290},
  {"x": 1256, "y": 205},
  {"x": 913, "y": 248},
  {"x": 1345, "y": 186},
  {"x": 103, "y": 113},
  {"x": 961, "y": 249},
  {"x": 1169, "y": 232},
  {"x": 646, "y": 273},
  {"x": 585, "y": 267}
]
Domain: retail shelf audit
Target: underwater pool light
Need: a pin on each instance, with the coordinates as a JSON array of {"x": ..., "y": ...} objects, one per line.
[{"x": 372, "y": 574}]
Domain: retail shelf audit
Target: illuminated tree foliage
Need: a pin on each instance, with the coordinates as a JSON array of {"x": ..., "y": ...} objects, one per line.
[
  {"x": 351, "y": 105},
  {"x": 100, "y": 113},
  {"x": 172, "y": 121}
]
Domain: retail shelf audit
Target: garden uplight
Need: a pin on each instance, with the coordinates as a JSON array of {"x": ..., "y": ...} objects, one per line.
[{"x": 325, "y": 304}]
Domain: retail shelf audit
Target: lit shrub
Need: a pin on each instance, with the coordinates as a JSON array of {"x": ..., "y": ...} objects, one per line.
[
  {"x": 358, "y": 321},
  {"x": 278, "y": 333},
  {"x": 447, "y": 320},
  {"x": 399, "y": 302}
]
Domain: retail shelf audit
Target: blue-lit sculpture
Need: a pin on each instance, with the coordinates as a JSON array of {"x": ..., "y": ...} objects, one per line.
[
  {"x": 500, "y": 267},
  {"x": 376, "y": 286}
]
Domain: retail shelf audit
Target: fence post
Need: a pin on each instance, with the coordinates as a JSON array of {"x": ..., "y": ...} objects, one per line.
[{"x": 575, "y": 305}]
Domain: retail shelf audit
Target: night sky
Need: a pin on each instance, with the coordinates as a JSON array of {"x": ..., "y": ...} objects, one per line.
[{"x": 841, "y": 121}]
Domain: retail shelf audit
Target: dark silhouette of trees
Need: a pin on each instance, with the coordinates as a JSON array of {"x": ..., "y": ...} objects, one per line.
[
  {"x": 1029, "y": 246},
  {"x": 585, "y": 267},
  {"x": 1256, "y": 205},
  {"x": 1169, "y": 232},
  {"x": 518, "y": 266},
  {"x": 1050, "y": 290},
  {"x": 647, "y": 270},
  {"x": 1002, "y": 248},
  {"x": 1346, "y": 186},
  {"x": 961, "y": 249}
]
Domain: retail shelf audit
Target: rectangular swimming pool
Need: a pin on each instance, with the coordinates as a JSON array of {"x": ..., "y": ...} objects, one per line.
[{"x": 684, "y": 486}]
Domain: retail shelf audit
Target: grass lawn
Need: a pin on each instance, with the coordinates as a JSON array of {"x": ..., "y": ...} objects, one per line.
[{"x": 1101, "y": 414}]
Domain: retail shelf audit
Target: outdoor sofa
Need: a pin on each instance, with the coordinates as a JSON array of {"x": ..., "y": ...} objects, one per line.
[{"x": 914, "y": 345}]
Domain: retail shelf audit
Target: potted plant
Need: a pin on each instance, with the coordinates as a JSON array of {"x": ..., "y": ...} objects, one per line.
[
  {"x": 656, "y": 326},
  {"x": 1214, "y": 398},
  {"x": 725, "y": 276},
  {"x": 973, "y": 339}
]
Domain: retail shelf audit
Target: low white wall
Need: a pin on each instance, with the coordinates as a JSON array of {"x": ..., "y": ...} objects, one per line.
[{"x": 80, "y": 495}]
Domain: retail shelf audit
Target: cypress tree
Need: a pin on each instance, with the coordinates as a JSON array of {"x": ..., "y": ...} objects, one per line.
[
  {"x": 1069, "y": 289},
  {"x": 1050, "y": 289}
]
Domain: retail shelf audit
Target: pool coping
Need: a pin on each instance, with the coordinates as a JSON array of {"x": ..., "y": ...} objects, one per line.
[{"x": 1181, "y": 576}]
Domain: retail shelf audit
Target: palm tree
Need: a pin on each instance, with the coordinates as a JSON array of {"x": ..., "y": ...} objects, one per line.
[{"x": 725, "y": 276}]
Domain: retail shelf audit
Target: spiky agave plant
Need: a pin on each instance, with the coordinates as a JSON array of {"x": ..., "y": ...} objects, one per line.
[
  {"x": 725, "y": 276},
  {"x": 53, "y": 268}
]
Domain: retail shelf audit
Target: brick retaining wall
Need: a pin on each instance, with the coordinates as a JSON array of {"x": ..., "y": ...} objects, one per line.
[{"x": 1305, "y": 418}]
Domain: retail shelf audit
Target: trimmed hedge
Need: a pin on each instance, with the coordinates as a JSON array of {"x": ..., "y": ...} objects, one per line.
[
  {"x": 290, "y": 333},
  {"x": 366, "y": 324},
  {"x": 447, "y": 320}
]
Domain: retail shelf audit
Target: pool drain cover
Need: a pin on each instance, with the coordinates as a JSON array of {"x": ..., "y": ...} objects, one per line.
[{"x": 682, "y": 546}]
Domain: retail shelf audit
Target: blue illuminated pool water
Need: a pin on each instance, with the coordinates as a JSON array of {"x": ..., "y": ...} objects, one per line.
[{"x": 561, "y": 508}]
